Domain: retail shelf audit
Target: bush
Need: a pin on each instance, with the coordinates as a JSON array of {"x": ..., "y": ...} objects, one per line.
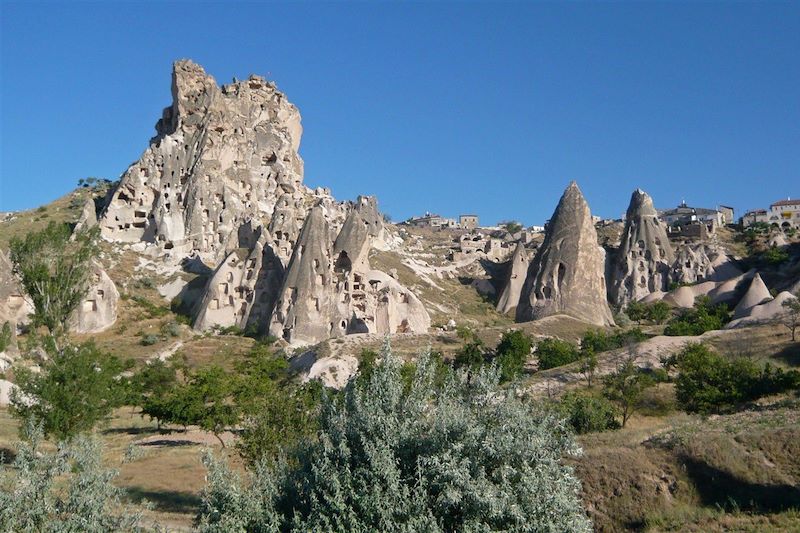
[
  {"x": 511, "y": 353},
  {"x": 430, "y": 458},
  {"x": 76, "y": 388},
  {"x": 625, "y": 388},
  {"x": 709, "y": 383},
  {"x": 555, "y": 352},
  {"x": 600, "y": 341},
  {"x": 149, "y": 339},
  {"x": 656, "y": 312},
  {"x": 701, "y": 318},
  {"x": 54, "y": 271},
  {"x": 5, "y": 336},
  {"x": 61, "y": 491},
  {"x": 775, "y": 256},
  {"x": 152, "y": 310},
  {"x": 588, "y": 414}
]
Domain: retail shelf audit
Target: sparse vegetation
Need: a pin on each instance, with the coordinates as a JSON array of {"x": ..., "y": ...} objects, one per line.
[
  {"x": 54, "y": 272},
  {"x": 709, "y": 383},
  {"x": 555, "y": 352},
  {"x": 624, "y": 388},
  {"x": 77, "y": 387},
  {"x": 701, "y": 318},
  {"x": 415, "y": 449}
]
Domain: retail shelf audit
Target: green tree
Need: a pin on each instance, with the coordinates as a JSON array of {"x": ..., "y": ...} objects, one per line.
[
  {"x": 555, "y": 352},
  {"x": 701, "y": 318},
  {"x": 471, "y": 354},
  {"x": 76, "y": 388},
  {"x": 588, "y": 364},
  {"x": 512, "y": 352},
  {"x": 207, "y": 400},
  {"x": 5, "y": 336},
  {"x": 464, "y": 456},
  {"x": 625, "y": 387},
  {"x": 54, "y": 271},
  {"x": 587, "y": 414},
  {"x": 792, "y": 318},
  {"x": 658, "y": 312},
  {"x": 151, "y": 388},
  {"x": 63, "y": 491},
  {"x": 709, "y": 383},
  {"x": 636, "y": 311}
]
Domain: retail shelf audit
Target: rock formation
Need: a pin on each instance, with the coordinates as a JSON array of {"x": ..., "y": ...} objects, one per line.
[
  {"x": 763, "y": 313},
  {"x": 305, "y": 305},
  {"x": 222, "y": 156},
  {"x": 222, "y": 181},
  {"x": 331, "y": 291},
  {"x": 644, "y": 259},
  {"x": 98, "y": 311},
  {"x": 14, "y": 304},
  {"x": 756, "y": 294},
  {"x": 568, "y": 274},
  {"x": 517, "y": 270},
  {"x": 702, "y": 262}
]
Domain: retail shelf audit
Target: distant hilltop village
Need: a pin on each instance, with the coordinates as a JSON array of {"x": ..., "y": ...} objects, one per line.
[{"x": 783, "y": 213}]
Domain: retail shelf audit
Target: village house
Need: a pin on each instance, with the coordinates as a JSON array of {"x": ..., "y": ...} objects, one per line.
[
  {"x": 468, "y": 221},
  {"x": 785, "y": 213},
  {"x": 684, "y": 214},
  {"x": 754, "y": 216},
  {"x": 430, "y": 220}
]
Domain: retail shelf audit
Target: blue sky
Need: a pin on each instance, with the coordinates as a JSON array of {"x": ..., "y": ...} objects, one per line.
[{"x": 489, "y": 108}]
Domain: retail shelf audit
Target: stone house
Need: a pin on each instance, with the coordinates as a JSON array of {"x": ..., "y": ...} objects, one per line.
[
  {"x": 785, "y": 213},
  {"x": 468, "y": 221},
  {"x": 754, "y": 216}
]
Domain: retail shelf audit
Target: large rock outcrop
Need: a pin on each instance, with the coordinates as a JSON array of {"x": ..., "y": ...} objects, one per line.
[
  {"x": 645, "y": 257},
  {"x": 222, "y": 182},
  {"x": 517, "y": 271},
  {"x": 567, "y": 275},
  {"x": 331, "y": 291},
  {"x": 98, "y": 310},
  {"x": 222, "y": 156}
]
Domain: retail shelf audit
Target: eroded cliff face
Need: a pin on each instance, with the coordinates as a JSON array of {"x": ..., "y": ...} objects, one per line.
[
  {"x": 567, "y": 276},
  {"x": 222, "y": 181},
  {"x": 644, "y": 260},
  {"x": 222, "y": 156}
]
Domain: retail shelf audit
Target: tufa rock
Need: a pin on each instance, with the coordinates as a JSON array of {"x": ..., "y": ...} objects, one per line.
[
  {"x": 645, "y": 257},
  {"x": 517, "y": 270},
  {"x": 568, "y": 274},
  {"x": 756, "y": 294},
  {"x": 98, "y": 310},
  {"x": 221, "y": 157}
]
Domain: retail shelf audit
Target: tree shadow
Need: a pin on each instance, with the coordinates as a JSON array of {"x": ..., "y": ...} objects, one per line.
[
  {"x": 721, "y": 489},
  {"x": 169, "y": 501},
  {"x": 129, "y": 431},
  {"x": 169, "y": 443},
  {"x": 790, "y": 355},
  {"x": 7, "y": 455}
]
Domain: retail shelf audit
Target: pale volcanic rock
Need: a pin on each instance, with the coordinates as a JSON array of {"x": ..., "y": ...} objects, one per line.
[
  {"x": 700, "y": 262},
  {"x": 763, "y": 313},
  {"x": 87, "y": 218},
  {"x": 98, "y": 310},
  {"x": 756, "y": 294},
  {"x": 305, "y": 305},
  {"x": 568, "y": 274},
  {"x": 517, "y": 271},
  {"x": 15, "y": 306},
  {"x": 221, "y": 156},
  {"x": 645, "y": 257}
]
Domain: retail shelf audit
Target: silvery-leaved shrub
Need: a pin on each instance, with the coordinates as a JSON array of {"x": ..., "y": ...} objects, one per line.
[
  {"x": 64, "y": 491},
  {"x": 443, "y": 455}
]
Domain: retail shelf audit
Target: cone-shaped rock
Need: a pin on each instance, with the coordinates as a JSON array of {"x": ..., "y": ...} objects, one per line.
[
  {"x": 517, "y": 270},
  {"x": 568, "y": 274},
  {"x": 304, "y": 307},
  {"x": 644, "y": 259},
  {"x": 756, "y": 294}
]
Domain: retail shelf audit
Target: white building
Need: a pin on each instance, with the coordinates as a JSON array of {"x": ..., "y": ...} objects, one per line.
[{"x": 785, "y": 213}]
